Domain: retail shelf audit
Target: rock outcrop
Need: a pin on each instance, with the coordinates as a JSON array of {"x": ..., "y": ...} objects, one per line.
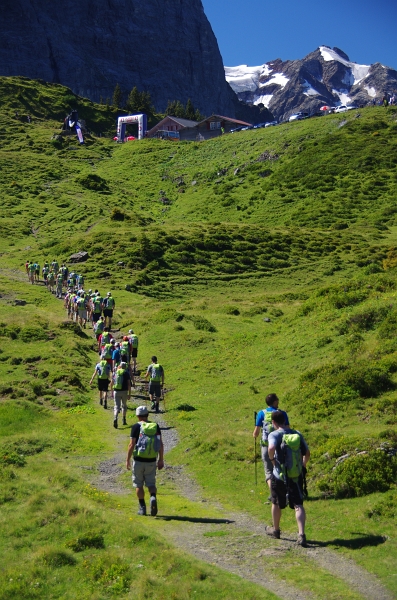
[
  {"x": 166, "y": 47},
  {"x": 324, "y": 77}
]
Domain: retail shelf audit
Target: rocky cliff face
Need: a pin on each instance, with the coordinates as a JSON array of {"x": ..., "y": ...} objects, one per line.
[
  {"x": 166, "y": 47},
  {"x": 324, "y": 77}
]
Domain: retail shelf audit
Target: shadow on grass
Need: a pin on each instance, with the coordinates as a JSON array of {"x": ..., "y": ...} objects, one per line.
[
  {"x": 194, "y": 519},
  {"x": 354, "y": 544}
]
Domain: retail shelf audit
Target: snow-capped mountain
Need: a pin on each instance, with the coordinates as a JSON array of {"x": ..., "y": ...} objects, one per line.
[{"x": 325, "y": 76}]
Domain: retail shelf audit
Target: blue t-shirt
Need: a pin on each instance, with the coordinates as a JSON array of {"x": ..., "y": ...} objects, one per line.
[
  {"x": 116, "y": 355},
  {"x": 261, "y": 416}
]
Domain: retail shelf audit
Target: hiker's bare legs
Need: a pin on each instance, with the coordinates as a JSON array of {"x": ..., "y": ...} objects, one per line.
[
  {"x": 276, "y": 516},
  {"x": 300, "y": 516}
]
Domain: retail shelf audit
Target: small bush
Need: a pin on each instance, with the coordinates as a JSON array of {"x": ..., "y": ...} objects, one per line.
[
  {"x": 32, "y": 334},
  {"x": 90, "y": 540},
  {"x": 232, "y": 310},
  {"x": 57, "y": 558},
  {"x": 363, "y": 474},
  {"x": 276, "y": 312},
  {"x": 386, "y": 508},
  {"x": 200, "y": 323},
  {"x": 12, "y": 458},
  {"x": 93, "y": 182},
  {"x": 118, "y": 214},
  {"x": 321, "y": 342}
]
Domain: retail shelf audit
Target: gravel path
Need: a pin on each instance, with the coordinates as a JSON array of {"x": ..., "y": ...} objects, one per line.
[{"x": 245, "y": 550}]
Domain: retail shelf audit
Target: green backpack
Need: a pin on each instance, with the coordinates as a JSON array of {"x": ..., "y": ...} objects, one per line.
[
  {"x": 119, "y": 379},
  {"x": 156, "y": 373},
  {"x": 148, "y": 444},
  {"x": 291, "y": 450},
  {"x": 104, "y": 370},
  {"x": 267, "y": 426}
]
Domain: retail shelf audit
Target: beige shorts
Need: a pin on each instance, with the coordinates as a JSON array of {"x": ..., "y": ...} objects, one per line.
[
  {"x": 144, "y": 473},
  {"x": 120, "y": 398}
]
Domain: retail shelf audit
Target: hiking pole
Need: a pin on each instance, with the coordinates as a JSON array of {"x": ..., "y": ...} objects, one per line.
[
  {"x": 163, "y": 396},
  {"x": 256, "y": 469}
]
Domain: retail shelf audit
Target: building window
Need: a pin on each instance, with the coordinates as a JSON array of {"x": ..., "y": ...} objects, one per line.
[{"x": 215, "y": 125}]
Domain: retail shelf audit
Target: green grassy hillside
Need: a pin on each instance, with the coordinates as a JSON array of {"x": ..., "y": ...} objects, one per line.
[{"x": 258, "y": 262}]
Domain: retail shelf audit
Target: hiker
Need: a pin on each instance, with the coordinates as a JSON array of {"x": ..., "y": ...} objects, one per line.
[
  {"x": 264, "y": 421},
  {"x": 155, "y": 372},
  {"x": 289, "y": 454},
  {"x": 96, "y": 307},
  {"x": 108, "y": 306},
  {"x": 32, "y": 271},
  {"x": 36, "y": 272},
  {"x": 145, "y": 446},
  {"x": 133, "y": 338},
  {"x": 45, "y": 271},
  {"x": 122, "y": 391},
  {"x": 99, "y": 328},
  {"x": 103, "y": 372},
  {"x": 125, "y": 350},
  {"x": 105, "y": 338},
  {"x": 59, "y": 281},
  {"x": 81, "y": 309},
  {"x": 116, "y": 356}
]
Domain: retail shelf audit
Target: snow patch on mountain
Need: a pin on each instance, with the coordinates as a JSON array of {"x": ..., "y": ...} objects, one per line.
[
  {"x": 265, "y": 100},
  {"x": 278, "y": 78},
  {"x": 343, "y": 96},
  {"x": 359, "y": 72},
  {"x": 244, "y": 78},
  {"x": 370, "y": 91},
  {"x": 309, "y": 89}
]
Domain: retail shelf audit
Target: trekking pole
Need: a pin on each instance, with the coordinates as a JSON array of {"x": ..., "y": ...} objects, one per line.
[
  {"x": 256, "y": 469},
  {"x": 163, "y": 396}
]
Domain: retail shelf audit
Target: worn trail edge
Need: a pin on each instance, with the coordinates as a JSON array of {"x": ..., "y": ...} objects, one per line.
[{"x": 246, "y": 552}]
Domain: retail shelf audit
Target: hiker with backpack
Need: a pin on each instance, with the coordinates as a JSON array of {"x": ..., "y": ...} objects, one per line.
[
  {"x": 264, "y": 422},
  {"x": 289, "y": 454},
  {"x": 155, "y": 372},
  {"x": 122, "y": 383},
  {"x": 133, "y": 338},
  {"x": 145, "y": 447},
  {"x": 103, "y": 371},
  {"x": 108, "y": 306}
]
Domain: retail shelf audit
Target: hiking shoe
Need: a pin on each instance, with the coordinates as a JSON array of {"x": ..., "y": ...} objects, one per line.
[
  {"x": 142, "y": 511},
  {"x": 153, "y": 406},
  {"x": 101, "y": 402},
  {"x": 124, "y": 421},
  {"x": 115, "y": 424},
  {"x": 274, "y": 533},
  {"x": 301, "y": 541},
  {"x": 153, "y": 506},
  {"x": 105, "y": 405},
  {"x": 157, "y": 408}
]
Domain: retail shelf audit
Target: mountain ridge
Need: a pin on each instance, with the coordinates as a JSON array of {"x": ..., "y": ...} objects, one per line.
[{"x": 325, "y": 76}]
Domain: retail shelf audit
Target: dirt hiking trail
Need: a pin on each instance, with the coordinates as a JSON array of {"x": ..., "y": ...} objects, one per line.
[{"x": 236, "y": 542}]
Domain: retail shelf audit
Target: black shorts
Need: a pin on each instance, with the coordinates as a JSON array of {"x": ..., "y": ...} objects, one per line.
[
  {"x": 155, "y": 389},
  {"x": 107, "y": 312},
  {"x": 279, "y": 492},
  {"x": 134, "y": 352},
  {"x": 95, "y": 317},
  {"x": 103, "y": 385}
]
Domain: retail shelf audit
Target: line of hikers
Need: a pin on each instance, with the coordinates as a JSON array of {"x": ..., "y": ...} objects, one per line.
[{"x": 284, "y": 451}]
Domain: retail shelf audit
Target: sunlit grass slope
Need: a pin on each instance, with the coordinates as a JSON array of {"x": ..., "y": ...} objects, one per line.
[{"x": 258, "y": 262}]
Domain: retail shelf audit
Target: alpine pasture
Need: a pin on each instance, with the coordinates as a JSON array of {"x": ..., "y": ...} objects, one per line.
[{"x": 262, "y": 261}]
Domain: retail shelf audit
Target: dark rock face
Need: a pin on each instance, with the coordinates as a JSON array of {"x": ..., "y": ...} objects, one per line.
[
  {"x": 324, "y": 77},
  {"x": 166, "y": 47}
]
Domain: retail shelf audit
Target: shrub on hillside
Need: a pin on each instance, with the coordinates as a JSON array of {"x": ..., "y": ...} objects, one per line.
[
  {"x": 332, "y": 388},
  {"x": 200, "y": 323},
  {"x": 361, "y": 475},
  {"x": 93, "y": 182}
]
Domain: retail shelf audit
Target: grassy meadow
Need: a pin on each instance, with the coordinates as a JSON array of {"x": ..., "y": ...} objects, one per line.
[{"x": 262, "y": 261}]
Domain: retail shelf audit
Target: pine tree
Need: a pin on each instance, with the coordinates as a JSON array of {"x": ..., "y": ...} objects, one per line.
[
  {"x": 189, "y": 111},
  {"x": 117, "y": 96},
  {"x": 134, "y": 99},
  {"x": 179, "y": 110},
  {"x": 171, "y": 107}
]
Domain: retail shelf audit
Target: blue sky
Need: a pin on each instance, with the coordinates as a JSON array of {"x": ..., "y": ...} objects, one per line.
[{"x": 254, "y": 32}]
